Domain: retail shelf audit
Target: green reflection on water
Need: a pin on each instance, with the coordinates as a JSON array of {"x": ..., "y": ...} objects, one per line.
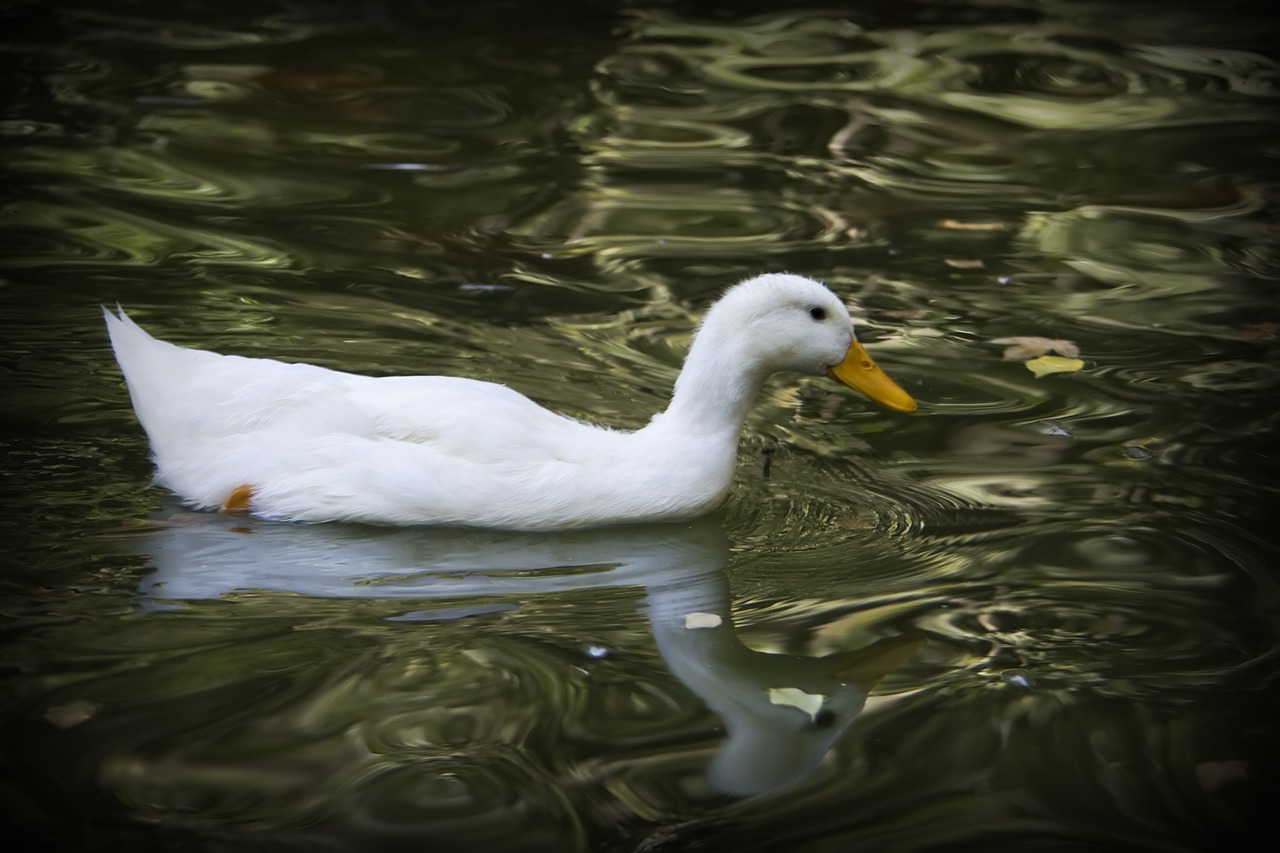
[{"x": 549, "y": 199}]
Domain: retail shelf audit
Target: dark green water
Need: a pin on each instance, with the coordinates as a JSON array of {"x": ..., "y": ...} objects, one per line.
[{"x": 1069, "y": 582}]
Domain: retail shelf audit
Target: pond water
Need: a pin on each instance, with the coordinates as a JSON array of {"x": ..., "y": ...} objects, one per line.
[{"x": 1041, "y": 613}]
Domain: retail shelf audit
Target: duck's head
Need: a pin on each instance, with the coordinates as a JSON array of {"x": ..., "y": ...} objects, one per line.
[{"x": 794, "y": 323}]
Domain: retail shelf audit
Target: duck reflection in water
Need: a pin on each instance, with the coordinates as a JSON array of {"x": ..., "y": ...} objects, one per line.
[{"x": 782, "y": 712}]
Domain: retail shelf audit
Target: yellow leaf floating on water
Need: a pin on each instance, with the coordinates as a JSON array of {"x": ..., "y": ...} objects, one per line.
[
  {"x": 1047, "y": 365},
  {"x": 810, "y": 703}
]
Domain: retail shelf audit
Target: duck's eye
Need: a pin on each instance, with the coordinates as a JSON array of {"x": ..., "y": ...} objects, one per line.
[{"x": 818, "y": 313}]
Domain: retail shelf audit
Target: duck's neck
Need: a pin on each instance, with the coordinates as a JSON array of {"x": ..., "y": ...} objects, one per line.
[{"x": 716, "y": 388}]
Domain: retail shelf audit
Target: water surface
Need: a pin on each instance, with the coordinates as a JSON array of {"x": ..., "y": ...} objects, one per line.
[{"x": 1039, "y": 614}]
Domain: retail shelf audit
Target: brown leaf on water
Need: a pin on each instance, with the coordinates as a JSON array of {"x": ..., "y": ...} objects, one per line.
[
  {"x": 1213, "y": 775},
  {"x": 1021, "y": 348},
  {"x": 1261, "y": 331}
]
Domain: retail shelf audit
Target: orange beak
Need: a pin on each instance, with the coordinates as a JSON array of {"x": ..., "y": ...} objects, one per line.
[{"x": 860, "y": 373}]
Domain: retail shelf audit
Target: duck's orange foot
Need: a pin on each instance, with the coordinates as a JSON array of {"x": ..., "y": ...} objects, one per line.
[{"x": 238, "y": 503}]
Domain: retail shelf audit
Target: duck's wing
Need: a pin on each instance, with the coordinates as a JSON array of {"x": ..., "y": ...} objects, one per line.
[
  {"x": 438, "y": 450},
  {"x": 466, "y": 418}
]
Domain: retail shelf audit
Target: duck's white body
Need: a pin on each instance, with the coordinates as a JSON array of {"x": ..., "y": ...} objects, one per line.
[{"x": 320, "y": 445}]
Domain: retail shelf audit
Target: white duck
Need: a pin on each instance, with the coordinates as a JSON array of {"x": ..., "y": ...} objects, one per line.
[{"x": 299, "y": 442}]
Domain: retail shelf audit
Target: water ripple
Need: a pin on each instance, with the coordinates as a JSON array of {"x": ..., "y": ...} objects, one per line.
[
  {"x": 150, "y": 33},
  {"x": 92, "y": 234}
]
